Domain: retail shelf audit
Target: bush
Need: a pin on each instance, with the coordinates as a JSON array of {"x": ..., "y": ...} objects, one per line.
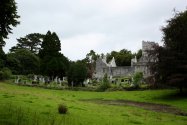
[
  {"x": 62, "y": 109},
  {"x": 5, "y": 73},
  {"x": 64, "y": 83},
  {"x": 30, "y": 76},
  {"x": 103, "y": 87},
  {"x": 105, "y": 84},
  {"x": 137, "y": 79},
  {"x": 1, "y": 75}
]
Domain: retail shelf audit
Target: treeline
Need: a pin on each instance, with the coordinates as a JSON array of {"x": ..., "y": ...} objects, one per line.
[
  {"x": 41, "y": 54},
  {"x": 38, "y": 53}
]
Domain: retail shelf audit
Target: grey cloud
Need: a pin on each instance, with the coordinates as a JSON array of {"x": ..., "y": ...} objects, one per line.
[{"x": 124, "y": 26}]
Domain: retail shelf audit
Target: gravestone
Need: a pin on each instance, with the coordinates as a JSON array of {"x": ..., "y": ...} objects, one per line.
[
  {"x": 59, "y": 81},
  {"x": 35, "y": 78},
  {"x": 17, "y": 80},
  {"x": 56, "y": 80}
]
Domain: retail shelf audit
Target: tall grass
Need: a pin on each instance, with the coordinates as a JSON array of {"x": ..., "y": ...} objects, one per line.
[
  {"x": 20, "y": 105},
  {"x": 16, "y": 115}
]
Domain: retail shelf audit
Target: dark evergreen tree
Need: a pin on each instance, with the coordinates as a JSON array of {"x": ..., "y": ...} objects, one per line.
[
  {"x": 77, "y": 73},
  {"x": 53, "y": 63},
  {"x": 53, "y": 66},
  {"x": 51, "y": 45}
]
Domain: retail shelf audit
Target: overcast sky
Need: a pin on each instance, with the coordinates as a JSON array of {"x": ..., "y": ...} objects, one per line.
[{"x": 101, "y": 25}]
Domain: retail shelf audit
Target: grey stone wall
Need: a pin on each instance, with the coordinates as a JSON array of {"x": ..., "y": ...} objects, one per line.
[
  {"x": 122, "y": 71},
  {"x": 141, "y": 65}
]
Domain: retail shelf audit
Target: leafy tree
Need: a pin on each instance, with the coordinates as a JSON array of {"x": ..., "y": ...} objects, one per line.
[
  {"x": 90, "y": 61},
  {"x": 31, "y": 42},
  {"x": 122, "y": 58},
  {"x": 23, "y": 62},
  {"x": 171, "y": 64},
  {"x": 5, "y": 73},
  {"x": 13, "y": 63},
  {"x": 8, "y": 19},
  {"x": 139, "y": 54},
  {"x": 92, "y": 56},
  {"x": 2, "y": 58},
  {"x": 77, "y": 73}
]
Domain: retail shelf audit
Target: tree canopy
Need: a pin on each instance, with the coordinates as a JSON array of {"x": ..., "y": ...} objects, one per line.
[
  {"x": 77, "y": 73},
  {"x": 122, "y": 58},
  {"x": 31, "y": 42},
  {"x": 90, "y": 61},
  {"x": 51, "y": 45},
  {"x": 8, "y": 18},
  {"x": 171, "y": 64},
  {"x": 53, "y": 63},
  {"x": 23, "y": 62},
  {"x": 2, "y": 58}
]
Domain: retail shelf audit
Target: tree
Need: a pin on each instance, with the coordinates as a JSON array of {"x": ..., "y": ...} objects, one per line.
[
  {"x": 53, "y": 63},
  {"x": 122, "y": 58},
  {"x": 23, "y": 62},
  {"x": 92, "y": 56},
  {"x": 31, "y": 42},
  {"x": 55, "y": 66},
  {"x": 51, "y": 45},
  {"x": 90, "y": 61},
  {"x": 2, "y": 58},
  {"x": 13, "y": 63},
  {"x": 5, "y": 73},
  {"x": 171, "y": 64},
  {"x": 77, "y": 73},
  {"x": 139, "y": 54},
  {"x": 8, "y": 19}
]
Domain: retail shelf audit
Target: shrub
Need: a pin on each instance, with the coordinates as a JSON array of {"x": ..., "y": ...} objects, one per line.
[
  {"x": 1, "y": 75},
  {"x": 137, "y": 78},
  {"x": 105, "y": 84},
  {"x": 30, "y": 76},
  {"x": 64, "y": 83},
  {"x": 103, "y": 87},
  {"x": 5, "y": 73},
  {"x": 62, "y": 109}
]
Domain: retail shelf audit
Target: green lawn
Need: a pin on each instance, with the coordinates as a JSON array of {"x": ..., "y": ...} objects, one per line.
[{"x": 20, "y": 105}]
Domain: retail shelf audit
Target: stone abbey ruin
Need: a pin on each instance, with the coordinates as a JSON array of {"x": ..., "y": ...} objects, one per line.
[{"x": 137, "y": 65}]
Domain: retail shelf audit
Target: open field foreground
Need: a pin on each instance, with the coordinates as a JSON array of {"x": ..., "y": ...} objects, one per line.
[{"x": 20, "y": 105}]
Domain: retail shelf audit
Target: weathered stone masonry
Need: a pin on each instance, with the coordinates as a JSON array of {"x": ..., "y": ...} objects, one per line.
[{"x": 140, "y": 65}]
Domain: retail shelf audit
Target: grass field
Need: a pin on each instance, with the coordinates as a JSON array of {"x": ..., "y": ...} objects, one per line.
[{"x": 20, "y": 105}]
